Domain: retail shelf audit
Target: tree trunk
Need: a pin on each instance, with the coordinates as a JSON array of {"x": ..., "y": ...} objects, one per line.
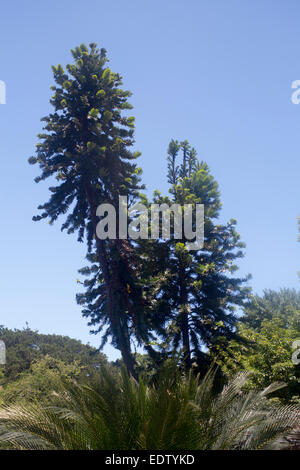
[
  {"x": 121, "y": 331},
  {"x": 184, "y": 321}
]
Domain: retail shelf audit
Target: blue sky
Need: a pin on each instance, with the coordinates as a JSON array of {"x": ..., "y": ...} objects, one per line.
[{"x": 216, "y": 73}]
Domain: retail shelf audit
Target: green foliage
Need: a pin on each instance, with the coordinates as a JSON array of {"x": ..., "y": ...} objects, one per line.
[
  {"x": 175, "y": 413},
  {"x": 142, "y": 292},
  {"x": 86, "y": 145},
  {"x": 283, "y": 305},
  {"x": 157, "y": 293},
  {"x": 270, "y": 325},
  {"x": 40, "y": 382},
  {"x": 78, "y": 140},
  {"x": 23, "y": 347},
  {"x": 37, "y": 363},
  {"x": 194, "y": 293}
]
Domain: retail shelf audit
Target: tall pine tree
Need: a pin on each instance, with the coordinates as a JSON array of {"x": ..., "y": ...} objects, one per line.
[
  {"x": 86, "y": 145},
  {"x": 196, "y": 291}
]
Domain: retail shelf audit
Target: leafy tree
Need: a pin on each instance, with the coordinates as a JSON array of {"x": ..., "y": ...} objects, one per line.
[
  {"x": 86, "y": 146},
  {"x": 37, "y": 364},
  {"x": 24, "y": 347},
  {"x": 41, "y": 382},
  {"x": 270, "y": 325},
  {"x": 194, "y": 293},
  {"x": 283, "y": 305}
]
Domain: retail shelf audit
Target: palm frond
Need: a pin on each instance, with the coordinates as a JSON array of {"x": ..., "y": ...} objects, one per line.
[{"x": 176, "y": 412}]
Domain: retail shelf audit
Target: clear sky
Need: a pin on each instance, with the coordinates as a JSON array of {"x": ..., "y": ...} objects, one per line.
[{"x": 215, "y": 72}]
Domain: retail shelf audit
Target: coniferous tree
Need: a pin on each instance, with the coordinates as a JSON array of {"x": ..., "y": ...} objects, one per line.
[
  {"x": 173, "y": 169},
  {"x": 196, "y": 291},
  {"x": 86, "y": 146}
]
